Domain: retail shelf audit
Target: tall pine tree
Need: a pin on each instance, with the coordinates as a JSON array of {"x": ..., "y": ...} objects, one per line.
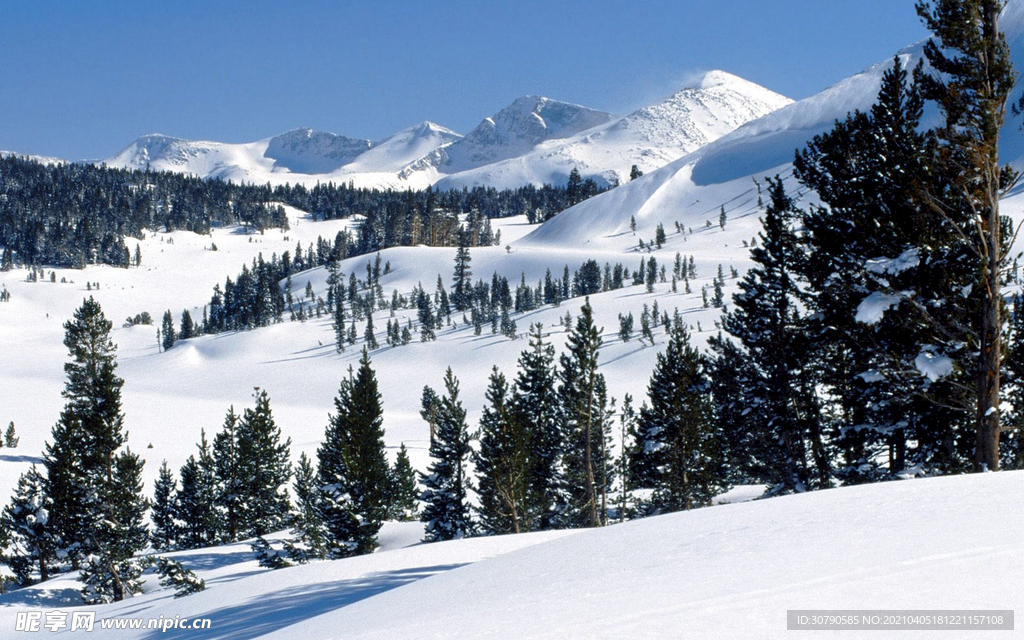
[
  {"x": 446, "y": 513},
  {"x": 353, "y": 470}
]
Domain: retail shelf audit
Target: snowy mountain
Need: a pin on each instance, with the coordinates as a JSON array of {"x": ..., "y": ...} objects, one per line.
[
  {"x": 300, "y": 155},
  {"x": 535, "y": 140},
  {"x": 650, "y": 137},
  {"x": 517, "y": 129}
]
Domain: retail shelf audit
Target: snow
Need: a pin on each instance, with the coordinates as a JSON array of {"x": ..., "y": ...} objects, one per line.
[
  {"x": 872, "y": 308},
  {"x": 728, "y": 572},
  {"x": 932, "y": 364},
  {"x": 892, "y": 266}
]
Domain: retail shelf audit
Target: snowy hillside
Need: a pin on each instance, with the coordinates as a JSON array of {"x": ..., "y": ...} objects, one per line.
[
  {"x": 727, "y": 572},
  {"x": 650, "y": 137}
]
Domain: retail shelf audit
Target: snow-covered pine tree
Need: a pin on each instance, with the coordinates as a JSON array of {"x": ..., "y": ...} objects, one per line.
[
  {"x": 11, "y": 437},
  {"x": 112, "y": 571},
  {"x": 535, "y": 405},
  {"x": 446, "y": 513},
  {"x": 875, "y": 242},
  {"x": 353, "y": 470},
  {"x": 264, "y": 470},
  {"x": 165, "y": 529},
  {"x": 677, "y": 430},
  {"x": 31, "y": 544},
  {"x": 502, "y": 462},
  {"x": 462, "y": 278},
  {"x": 94, "y": 486},
  {"x": 970, "y": 77}
]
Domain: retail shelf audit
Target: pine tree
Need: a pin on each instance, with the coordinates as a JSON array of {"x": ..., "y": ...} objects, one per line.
[
  {"x": 167, "y": 330},
  {"x": 585, "y": 423},
  {"x": 535, "y": 405},
  {"x": 402, "y": 499},
  {"x": 309, "y": 539},
  {"x": 230, "y": 496},
  {"x": 768, "y": 324},
  {"x": 874, "y": 241},
  {"x": 264, "y": 470},
  {"x": 447, "y": 512},
  {"x": 502, "y": 462},
  {"x": 31, "y": 545},
  {"x": 11, "y": 438},
  {"x": 188, "y": 327},
  {"x": 196, "y": 507},
  {"x": 677, "y": 434},
  {"x": 353, "y": 469},
  {"x": 112, "y": 572},
  {"x": 94, "y": 487},
  {"x": 462, "y": 279},
  {"x": 970, "y": 79},
  {"x": 165, "y": 529}
]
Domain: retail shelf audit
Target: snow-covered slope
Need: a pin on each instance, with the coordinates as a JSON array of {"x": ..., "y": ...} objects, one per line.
[
  {"x": 650, "y": 137},
  {"x": 729, "y": 572}
]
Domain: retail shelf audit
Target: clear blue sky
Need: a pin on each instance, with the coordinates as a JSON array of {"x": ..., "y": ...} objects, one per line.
[{"x": 82, "y": 79}]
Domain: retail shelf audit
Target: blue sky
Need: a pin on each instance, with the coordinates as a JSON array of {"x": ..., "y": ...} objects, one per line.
[{"x": 82, "y": 79}]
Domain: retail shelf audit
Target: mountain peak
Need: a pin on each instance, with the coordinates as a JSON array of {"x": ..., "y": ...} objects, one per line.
[{"x": 528, "y": 121}]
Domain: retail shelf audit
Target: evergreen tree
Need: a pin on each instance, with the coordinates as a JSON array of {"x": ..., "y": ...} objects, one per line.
[
  {"x": 165, "y": 529},
  {"x": 11, "y": 438},
  {"x": 402, "y": 503},
  {"x": 196, "y": 510},
  {"x": 264, "y": 470},
  {"x": 112, "y": 572},
  {"x": 167, "y": 330},
  {"x": 970, "y": 79},
  {"x": 585, "y": 423},
  {"x": 873, "y": 240},
  {"x": 353, "y": 469},
  {"x": 31, "y": 546},
  {"x": 502, "y": 462},
  {"x": 535, "y": 406},
  {"x": 462, "y": 279},
  {"x": 767, "y": 322},
  {"x": 230, "y": 495},
  {"x": 447, "y": 512},
  {"x": 677, "y": 433},
  {"x": 309, "y": 537},
  {"x": 188, "y": 327},
  {"x": 94, "y": 487}
]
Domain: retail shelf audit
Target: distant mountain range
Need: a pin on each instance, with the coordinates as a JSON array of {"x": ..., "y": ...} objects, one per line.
[{"x": 535, "y": 140}]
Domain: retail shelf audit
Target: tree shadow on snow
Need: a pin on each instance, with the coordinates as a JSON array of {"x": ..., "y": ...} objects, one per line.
[
  {"x": 12, "y": 458},
  {"x": 271, "y": 612}
]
